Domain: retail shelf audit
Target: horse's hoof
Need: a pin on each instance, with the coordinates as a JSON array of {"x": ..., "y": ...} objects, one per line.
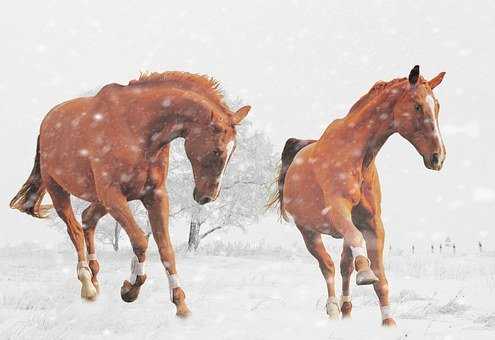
[
  {"x": 88, "y": 290},
  {"x": 333, "y": 310},
  {"x": 346, "y": 309},
  {"x": 129, "y": 292},
  {"x": 366, "y": 277},
  {"x": 389, "y": 323}
]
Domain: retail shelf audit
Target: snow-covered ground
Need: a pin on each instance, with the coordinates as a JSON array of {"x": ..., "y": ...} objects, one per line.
[{"x": 242, "y": 287}]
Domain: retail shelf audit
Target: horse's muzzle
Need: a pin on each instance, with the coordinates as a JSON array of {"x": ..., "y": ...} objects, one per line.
[
  {"x": 435, "y": 161},
  {"x": 201, "y": 199}
]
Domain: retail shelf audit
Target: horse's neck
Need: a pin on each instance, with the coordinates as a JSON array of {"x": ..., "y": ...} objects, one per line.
[
  {"x": 171, "y": 128},
  {"x": 370, "y": 125},
  {"x": 169, "y": 122},
  {"x": 173, "y": 113}
]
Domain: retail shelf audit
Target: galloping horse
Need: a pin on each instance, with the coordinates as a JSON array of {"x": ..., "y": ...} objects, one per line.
[
  {"x": 113, "y": 148},
  {"x": 330, "y": 186}
]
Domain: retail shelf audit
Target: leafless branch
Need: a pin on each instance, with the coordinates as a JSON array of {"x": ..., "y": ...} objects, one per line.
[{"x": 210, "y": 231}]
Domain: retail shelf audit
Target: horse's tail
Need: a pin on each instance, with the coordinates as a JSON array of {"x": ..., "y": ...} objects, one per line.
[
  {"x": 291, "y": 148},
  {"x": 29, "y": 198}
]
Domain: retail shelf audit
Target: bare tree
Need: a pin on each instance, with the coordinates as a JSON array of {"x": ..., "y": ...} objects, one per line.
[{"x": 245, "y": 185}]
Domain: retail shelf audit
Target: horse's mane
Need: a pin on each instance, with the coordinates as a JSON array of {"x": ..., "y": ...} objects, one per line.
[
  {"x": 202, "y": 84},
  {"x": 375, "y": 90}
]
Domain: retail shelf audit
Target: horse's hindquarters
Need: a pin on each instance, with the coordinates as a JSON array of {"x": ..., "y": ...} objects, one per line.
[
  {"x": 67, "y": 149},
  {"x": 303, "y": 198}
]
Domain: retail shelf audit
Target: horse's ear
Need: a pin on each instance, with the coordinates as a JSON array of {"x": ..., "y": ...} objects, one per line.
[
  {"x": 240, "y": 114},
  {"x": 437, "y": 80},
  {"x": 414, "y": 75}
]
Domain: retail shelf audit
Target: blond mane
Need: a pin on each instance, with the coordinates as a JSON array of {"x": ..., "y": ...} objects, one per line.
[{"x": 207, "y": 86}]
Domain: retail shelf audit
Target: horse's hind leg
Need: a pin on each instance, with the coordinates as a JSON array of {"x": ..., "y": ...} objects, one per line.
[
  {"x": 315, "y": 246},
  {"x": 61, "y": 202},
  {"x": 346, "y": 269},
  {"x": 90, "y": 217},
  {"x": 339, "y": 213}
]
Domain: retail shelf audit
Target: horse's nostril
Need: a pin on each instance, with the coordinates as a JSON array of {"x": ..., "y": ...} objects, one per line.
[
  {"x": 435, "y": 159},
  {"x": 205, "y": 200}
]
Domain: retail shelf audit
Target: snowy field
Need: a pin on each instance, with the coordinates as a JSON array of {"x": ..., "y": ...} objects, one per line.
[
  {"x": 242, "y": 287},
  {"x": 300, "y": 65}
]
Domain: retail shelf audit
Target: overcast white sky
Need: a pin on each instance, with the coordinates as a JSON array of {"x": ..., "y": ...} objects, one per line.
[{"x": 300, "y": 64}]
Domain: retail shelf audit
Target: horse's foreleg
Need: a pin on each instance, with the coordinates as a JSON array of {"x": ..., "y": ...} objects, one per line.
[
  {"x": 339, "y": 213},
  {"x": 315, "y": 246},
  {"x": 375, "y": 236},
  {"x": 346, "y": 269},
  {"x": 157, "y": 206},
  {"x": 61, "y": 202},
  {"x": 90, "y": 217},
  {"x": 116, "y": 204}
]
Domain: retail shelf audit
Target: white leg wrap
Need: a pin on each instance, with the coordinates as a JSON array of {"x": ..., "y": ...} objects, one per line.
[
  {"x": 343, "y": 299},
  {"x": 332, "y": 299},
  {"x": 359, "y": 251},
  {"x": 82, "y": 264},
  {"x": 91, "y": 257},
  {"x": 173, "y": 280},
  {"x": 332, "y": 307},
  {"x": 137, "y": 268},
  {"x": 83, "y": 270},
  {"x": 386, "y": 312}
]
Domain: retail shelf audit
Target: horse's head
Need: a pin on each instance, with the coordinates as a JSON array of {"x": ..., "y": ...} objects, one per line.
[
  {"x": 416, "y": 118},
  {"x": 209, "y": 149}
]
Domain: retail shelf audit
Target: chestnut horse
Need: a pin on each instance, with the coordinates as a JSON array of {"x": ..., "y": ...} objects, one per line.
[
  {"x": 113, "y": 148},
  {"x": 330, "y": 186}
]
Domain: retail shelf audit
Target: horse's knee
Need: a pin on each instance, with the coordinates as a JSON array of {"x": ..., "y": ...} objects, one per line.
[
  {"x": 352, "y": 237},
  {"x": 75, "y": 232},
  {"x": 327, "y": 266},
  {"x": 139, "y": 244}
]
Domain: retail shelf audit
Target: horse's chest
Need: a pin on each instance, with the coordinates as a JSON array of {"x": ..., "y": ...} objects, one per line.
[{"x": 136, "y": 183}]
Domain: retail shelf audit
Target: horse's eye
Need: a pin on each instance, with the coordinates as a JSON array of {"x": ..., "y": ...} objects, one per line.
[
  {"x": 217, "y": 129},
  {"x": 418, "y": 108},
  {"x": 217, "y": 152}
]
